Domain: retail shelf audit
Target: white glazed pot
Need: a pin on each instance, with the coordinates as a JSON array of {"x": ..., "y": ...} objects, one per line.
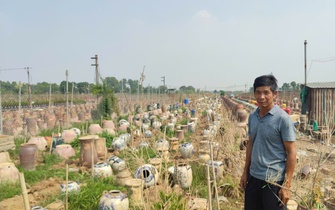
[
  {"x": 186, "y": 150},
  {"x": 102, "y": 170},
  {"x": 73, "y": 187},
  {"x": 148, "y": 173},
  {"x": 113, "y": 200}
]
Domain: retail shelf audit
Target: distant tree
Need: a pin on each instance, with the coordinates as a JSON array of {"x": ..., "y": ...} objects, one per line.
[
  {"x": 286, "y": 87},
  {"x": 112, "y": 82},
  {"x": 294, "y": 85},
  {"x": 82, "y": 87},
  {"x": 222, "y": 92}
]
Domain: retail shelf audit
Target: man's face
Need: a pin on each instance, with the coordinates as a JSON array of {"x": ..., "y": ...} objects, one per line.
[{"x": 264, "y": 96}]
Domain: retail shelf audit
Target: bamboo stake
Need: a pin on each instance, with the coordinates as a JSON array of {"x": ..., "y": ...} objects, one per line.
[
  {"x": 209, "y": 201},
  {"x": 24, "y": 191},
  {"x": 214, "y": 178},
  {"x": 52, "y": 140},
  {"x": 67, "y": 188},
  {"x": 92, "y": 158}
]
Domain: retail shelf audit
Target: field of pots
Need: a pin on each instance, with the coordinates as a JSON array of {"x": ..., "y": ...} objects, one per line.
[{"x": 178, "y": 155}]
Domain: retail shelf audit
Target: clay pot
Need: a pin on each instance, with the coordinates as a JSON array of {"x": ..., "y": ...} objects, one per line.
[
  {"x": 113, "y": 199},
  {"x": 64, "y": 150},
  {"x": 119, "y": 144},
  {"x": 157, "y": 163},
  {"x": 100, "y": 145},
  {"x": 40, "y": 141},
  {"x": 28, "y": 156},
  {"x": 122, "y": 176},
  {"x": 9, "y": 172},
  {"x": 108, "y": 124},
  {"x": 4, "y": 157},
  {"x": 69, "y": 135},
  {"x": 87, "y": 146},
  {"x": 94, "y": 129},
  {"x": 135, "y": 190},
  {"x": 180, "y": 134}
]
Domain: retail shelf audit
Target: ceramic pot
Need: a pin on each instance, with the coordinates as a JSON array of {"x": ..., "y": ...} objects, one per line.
[
  {"x": 69, "y": 135},
  {"x": 157, "y": 163},
  {"x": 162, "y": 144},
  {"x": 186, "y": 150},
  {"x": 148, "y": 173},
  {"x": 203, "y": 157},
  {"x": 125, "y": 137},
  {"x": 117, "y": 165},
  {"x": 218, "y": 168},
  {"x": 94, "y": 129},
  {"x": 28, "y": 156},
  {"x": 4, "y": 157},
  {"x": 9, "y": 172},
  {"x": 108, "y": 124},
  {"x": 100, "y": 146},
  {"x": 122, "y": 176},
  {"x": 102, "y": 170},
  {"x": 191, "y": 127},
  {"x": 73, "y": 187},
  {"x": 143, "y": 144},
  {"x": 119, "y": 144},
  {"x": 77, "y": 131},
  {"x": 135, "y": 190},
  {"x": 147, "y": 134},
  {"x": 40, "y": 141},
  {"x": 87, "y": 150},
  {"x": 113, "y": 200},
  {"x": 180, "y": 134},
  {"x": 182, "y": 175},
  {"x": 64, "y": 150}
]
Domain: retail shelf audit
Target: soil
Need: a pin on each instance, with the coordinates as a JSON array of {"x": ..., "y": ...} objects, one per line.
[{"x": 308, "y": 152}]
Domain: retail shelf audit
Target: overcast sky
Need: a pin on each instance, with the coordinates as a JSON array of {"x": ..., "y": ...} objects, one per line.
[{"x": 214, "y": 44}]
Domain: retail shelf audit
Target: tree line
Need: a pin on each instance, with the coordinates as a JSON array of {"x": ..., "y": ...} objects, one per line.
[{"x": 118, "y": 86}]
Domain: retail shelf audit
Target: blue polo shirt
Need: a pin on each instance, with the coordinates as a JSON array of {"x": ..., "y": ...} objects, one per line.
[{"x": 268, "y": 157}]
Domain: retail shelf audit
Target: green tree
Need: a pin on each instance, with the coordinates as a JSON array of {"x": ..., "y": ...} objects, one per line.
[{"x": 286, "y": 87}]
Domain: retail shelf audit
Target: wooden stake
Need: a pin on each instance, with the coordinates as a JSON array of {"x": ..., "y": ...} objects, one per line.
[
  {"x": 52, "y": 140},
  {"x": 214, "y": 177},
  {"x": 67, "y": 188},
  {"x": 24, "y": 191},
  {"x": 209, "y": 201}
]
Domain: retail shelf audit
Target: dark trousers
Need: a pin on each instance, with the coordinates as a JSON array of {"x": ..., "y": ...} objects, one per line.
[{"x": 260, "y": 195}]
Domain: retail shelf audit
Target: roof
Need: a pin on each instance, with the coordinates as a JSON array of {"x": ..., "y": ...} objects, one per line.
[{"x": 321, "y": 85}]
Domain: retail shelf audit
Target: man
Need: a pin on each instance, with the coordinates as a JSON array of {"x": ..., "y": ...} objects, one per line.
[{"x": 271, "y": 151}]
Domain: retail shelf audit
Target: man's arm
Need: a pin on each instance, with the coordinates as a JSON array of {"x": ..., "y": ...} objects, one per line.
[
  {"x": 244, "y": 178},
  {"x": 290, "y": 148}
]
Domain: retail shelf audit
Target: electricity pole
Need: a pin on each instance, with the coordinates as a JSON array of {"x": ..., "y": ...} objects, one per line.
[
  {"x": 96, "y": 69},
  {"x": 29, "y": 89},
  {"x": 304, "y": 103},
  {"x": 67, "y": 98}
]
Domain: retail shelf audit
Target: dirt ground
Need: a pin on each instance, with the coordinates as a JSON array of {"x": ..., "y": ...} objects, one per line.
[{"x": 309, "y": 151}]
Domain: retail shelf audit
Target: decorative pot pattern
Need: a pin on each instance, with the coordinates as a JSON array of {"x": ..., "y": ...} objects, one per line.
[
  {"x": 119, "y": 144},
  {"x": 148, "y": 173},
  {"x": 113, "y": 200},
  {"x": 73, "y": 187},
  {"x": 186, "y": 150},
  {"x": 102, "y": 170}
]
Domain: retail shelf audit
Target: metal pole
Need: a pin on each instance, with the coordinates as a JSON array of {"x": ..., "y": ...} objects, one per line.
[{"x": 50, "y": 97}]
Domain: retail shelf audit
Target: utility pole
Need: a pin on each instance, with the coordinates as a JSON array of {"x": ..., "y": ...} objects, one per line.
[
  {"x": 96, "y": 69},
  {"x": 29, "y": 89},
  {"x": 67, "y": 98},
  {"x": 163, "y": 80},
  {"x": 304, "y": 103}
]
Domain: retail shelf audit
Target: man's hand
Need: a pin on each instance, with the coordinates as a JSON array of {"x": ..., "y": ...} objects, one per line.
[
  {"x": 243, "y": 181},
  {"x": 284, "y": 195}
]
